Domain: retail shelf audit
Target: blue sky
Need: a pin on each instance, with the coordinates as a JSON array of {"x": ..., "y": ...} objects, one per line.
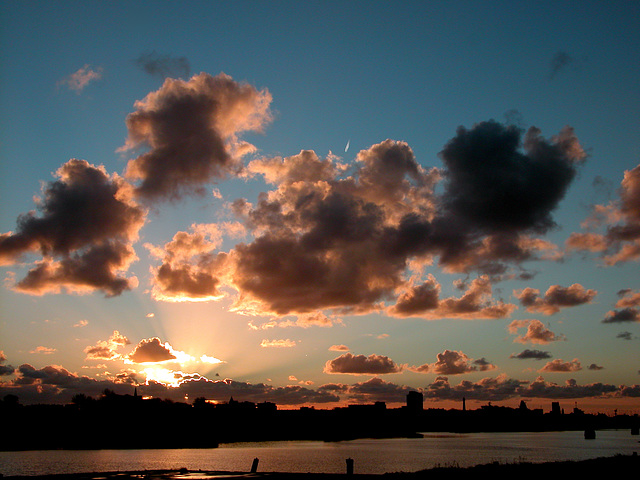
[{"x": 333, "y": 74}]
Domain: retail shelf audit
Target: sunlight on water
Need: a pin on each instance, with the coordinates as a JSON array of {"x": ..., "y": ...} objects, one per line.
[{"x": 370, "y": 456}]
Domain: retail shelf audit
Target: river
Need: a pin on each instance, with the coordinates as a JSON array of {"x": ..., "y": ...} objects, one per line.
[{"x": 374, "y": 456}]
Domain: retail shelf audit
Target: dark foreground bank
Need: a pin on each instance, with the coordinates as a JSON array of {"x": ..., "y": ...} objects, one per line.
[{"x": 570, "y": 469}]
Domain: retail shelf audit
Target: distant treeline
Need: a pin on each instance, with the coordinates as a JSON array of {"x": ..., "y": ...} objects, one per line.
[{"x": 128, "y": 421}]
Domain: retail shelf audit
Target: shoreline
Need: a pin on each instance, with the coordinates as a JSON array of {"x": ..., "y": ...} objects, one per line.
[{"x": 575, "y": 468}]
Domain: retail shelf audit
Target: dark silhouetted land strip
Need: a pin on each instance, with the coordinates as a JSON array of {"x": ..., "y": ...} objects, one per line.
[
  {"x": 156, "y": 423},
  {"x": 594, "y": 468}
]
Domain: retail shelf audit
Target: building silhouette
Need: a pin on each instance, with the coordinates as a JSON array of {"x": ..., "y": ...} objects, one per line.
[{"x": 415, "y": 401}]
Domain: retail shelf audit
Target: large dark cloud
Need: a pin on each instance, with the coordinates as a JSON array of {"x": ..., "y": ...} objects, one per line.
[
  {"x": 191, "y": 129},
  {"x": 495, "y": 187},
  {"x": 322, "y": 243},
  {"x": 87, "y": 224}
]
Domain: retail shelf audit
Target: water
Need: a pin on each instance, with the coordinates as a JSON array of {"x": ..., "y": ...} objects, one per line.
[{"x": 370, "y": 456}]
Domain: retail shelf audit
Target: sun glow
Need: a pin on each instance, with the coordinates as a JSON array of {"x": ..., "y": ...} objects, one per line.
[{"x": 163, "y": 375}]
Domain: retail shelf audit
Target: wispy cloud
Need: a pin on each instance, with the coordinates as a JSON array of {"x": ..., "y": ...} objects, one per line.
[
  {"x": 79, "y": 79},
  {"x": 558, "y": 63},
  {"x": 163, "y": 65},
  {"x": 43, "y": 350},
  {"x": 285, "y": 343}
]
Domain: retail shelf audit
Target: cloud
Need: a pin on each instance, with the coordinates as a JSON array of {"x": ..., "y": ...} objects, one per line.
[
  {"x": 377, "y": 390},
  {"x": 339, "y": 348},
  {"x": 85, "y": 232},
  {"x": 559, "y": 62},
  {"x": 107, "y": 350},
  {"x": 623, "y": 315},
  {"x": 536, "y": 332},
  {"x": 620, "y": 220},
  {"x": 78, "y": 80},
  {"x": 319, "y": 239},
  {"x": 190, "y": 266},
  {"x": 628, "y": 298},
  {"x": 627, "y": 308},
  {"x": 593, "y": 366},
  {"x": 191, "y": 129},
  {"x": 362, "y": 365},
  {"x": 5, "y": 369},
  {"x": 55, "y": 384},
  {"x": 81, "y": 323},
  {"x": 503, "y": 388},
  {"x": 625, "y": 336},
  {"x": 494, "y": 187},
  {"x": 423, "y": 301},
  {"x": 163, "y": 66},
  {"x": 222, "y": 390},
  {"x": 555, "y": 298},
  {"x": 43, "y": 350},
  {"x": 327, "y": 239},
  {"x": 451, "y": 362},
  {"x": 559, "y": 366},
  {"x": 151, "y": 351},
  {"x": 492, "y": 389},
  {"x": 531, "y": 354},
  {"x": 278, "y": 343}
]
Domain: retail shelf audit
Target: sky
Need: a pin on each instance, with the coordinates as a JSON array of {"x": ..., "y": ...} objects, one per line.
[{"x": 321, "y": 203}]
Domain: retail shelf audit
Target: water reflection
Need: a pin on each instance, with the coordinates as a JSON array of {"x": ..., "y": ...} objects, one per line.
[{"x": 374, "y": 456}]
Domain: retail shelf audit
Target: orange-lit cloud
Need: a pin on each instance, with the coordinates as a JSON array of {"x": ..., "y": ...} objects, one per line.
[
  {"x": 190, "y": 267},
  {"x": 85, "y": 233},
  {"x": 79, "y": 79},
  {"x": 560, "y": 366},
  {"x": 451, "y": 362},
  {"x": 362, "y": 365},
  {"x": 536, "y": 332},
  {"x": 339, "y": 348},
  {"x": 555, "y": 298},
  {"x": 43, "y": 350},
  {"x": 5, "y": 369},
  {"x": 423, "y": 301},
  {"x": 151, "y": 351},
  {"x": 620, "y": 241},
  {"x": 190, "y": 128},
  {"x": 285, "y": 343},
  {"x": 107, "y": 349},
  {"x": 627, "y": 308}
]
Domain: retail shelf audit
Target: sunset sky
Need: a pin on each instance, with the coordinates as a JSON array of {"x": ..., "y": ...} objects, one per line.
[{"x": 321, "y": 203}]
